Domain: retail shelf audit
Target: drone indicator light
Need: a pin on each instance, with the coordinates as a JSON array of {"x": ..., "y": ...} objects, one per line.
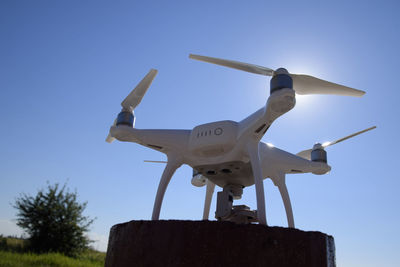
[{"x": 218, "y": 131}]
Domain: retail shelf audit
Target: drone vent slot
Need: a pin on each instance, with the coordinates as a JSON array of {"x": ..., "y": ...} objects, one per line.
[
  {"x": 260, "y": 128},
  {"x": 266, "y": 129},
  {"x": 154, "y": 146}
]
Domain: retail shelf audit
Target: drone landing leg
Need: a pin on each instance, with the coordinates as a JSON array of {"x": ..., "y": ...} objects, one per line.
[
  {"x": 258, "y": 181},
  {"x": 286, "y": 202},
  {"x": 162, "y": 187},
  {"x": 207, "y": 202}
]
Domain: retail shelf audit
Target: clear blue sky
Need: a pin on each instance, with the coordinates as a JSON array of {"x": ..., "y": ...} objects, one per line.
[{"x": 66, "y": 66}]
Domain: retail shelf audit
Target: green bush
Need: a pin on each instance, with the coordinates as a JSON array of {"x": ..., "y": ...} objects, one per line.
[{"x": 53, "y": 220}]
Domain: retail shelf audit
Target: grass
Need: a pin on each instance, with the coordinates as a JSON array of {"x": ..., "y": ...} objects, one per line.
[
  {"x": 12, "y": 255},
  {"x": 13, "y": 244},
  {"x": 16, "y": 259}
]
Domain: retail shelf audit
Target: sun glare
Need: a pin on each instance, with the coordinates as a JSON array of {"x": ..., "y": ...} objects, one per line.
[
  {"x": 304, "y": 100},
  {"x": 325, "y": 144},
  {"x": 310, "y": 68}
]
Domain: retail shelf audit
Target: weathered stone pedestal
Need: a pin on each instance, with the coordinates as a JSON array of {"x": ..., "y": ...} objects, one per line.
[{"x": 211, "y": 243}]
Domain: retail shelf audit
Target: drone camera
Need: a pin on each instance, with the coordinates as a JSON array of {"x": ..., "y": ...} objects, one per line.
[{"x": 224, "y": 204}]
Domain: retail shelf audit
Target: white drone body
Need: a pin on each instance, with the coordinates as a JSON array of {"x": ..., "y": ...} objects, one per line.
[{"x": 228, "y": 153}]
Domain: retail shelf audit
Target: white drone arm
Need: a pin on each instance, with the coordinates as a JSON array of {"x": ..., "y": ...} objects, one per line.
[
  {"x": 207, "y": 201},
  {"x": 257, "y": 124},
  {"x": 252, "y": 123},
  {"x": 165, "y": 141}
]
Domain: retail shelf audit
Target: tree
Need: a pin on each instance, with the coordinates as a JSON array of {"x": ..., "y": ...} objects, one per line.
[{"x": 53, "y": 220}]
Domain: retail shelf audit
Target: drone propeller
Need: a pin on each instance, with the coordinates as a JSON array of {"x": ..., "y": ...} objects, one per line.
[
  {"x": 132, "y": 101},
  {"x": 134, "y": 98},
  {"x": 307, "y": 153},
  {"x": 302, "y": 84},
  {"x": 109, "y": 138}
]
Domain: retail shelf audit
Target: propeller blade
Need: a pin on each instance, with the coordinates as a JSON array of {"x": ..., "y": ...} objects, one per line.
[
  {"x": 109, "y": 138},
  {"x": 302, "y": 84},
  {"x": 156, "y": 161},
  {"x": 307, "y": 153},
  {"x": 347, "y": 137},
  {"x": 134, "y": 98},
  {"x": 307, "y": 85},
  {"x": 235, "y": 65}
]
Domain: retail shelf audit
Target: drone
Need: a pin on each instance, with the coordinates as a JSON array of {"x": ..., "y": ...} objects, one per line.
[{"x": 231, "y": 154}]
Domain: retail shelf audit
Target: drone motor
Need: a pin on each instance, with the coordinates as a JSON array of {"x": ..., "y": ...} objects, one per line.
[
  {"x": 280, "y": 80},
  {"x": 318, "y": 154},
  {"x": 126, "y": 118}
]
